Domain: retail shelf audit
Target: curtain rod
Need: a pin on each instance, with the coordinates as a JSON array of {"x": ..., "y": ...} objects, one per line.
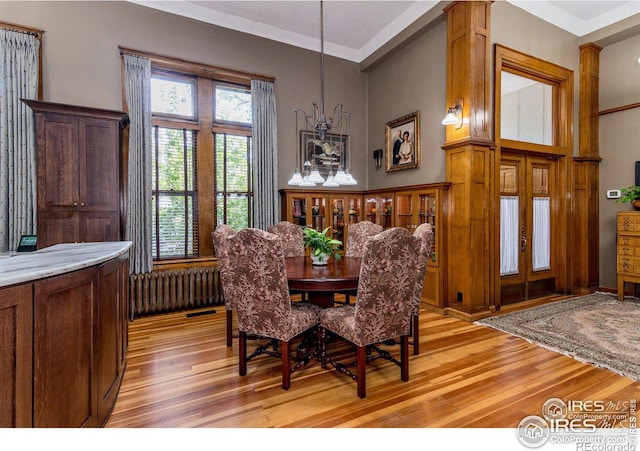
[
  {"x": 21, "y": 29},
  {"x": 211, "y": 70}
]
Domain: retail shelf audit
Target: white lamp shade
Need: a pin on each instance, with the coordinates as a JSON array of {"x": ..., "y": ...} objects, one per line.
[
  {"x": 350, "y": 179},
  {"x": 296, "y": 179},
  {"x": 315, "y": 177},
  {"x": 450, "y": 119},
  {"x": 341, "y": 177},
  {"x": 306, "y": 181},
  {"x": 331, "y": 181}
]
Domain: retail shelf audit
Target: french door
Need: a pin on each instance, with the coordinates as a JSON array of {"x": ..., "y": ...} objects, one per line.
[{"x": 527, "y": 198}]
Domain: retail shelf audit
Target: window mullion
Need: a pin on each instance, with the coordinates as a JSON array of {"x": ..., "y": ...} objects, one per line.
[
  {"x": 157, "y": 186},
  {"x": 186, "y": 197}
]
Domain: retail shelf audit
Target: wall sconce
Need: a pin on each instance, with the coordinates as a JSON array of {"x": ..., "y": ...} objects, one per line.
[
  {"x": 454, "y": 114},
  {"x": 377, "y": 155}
]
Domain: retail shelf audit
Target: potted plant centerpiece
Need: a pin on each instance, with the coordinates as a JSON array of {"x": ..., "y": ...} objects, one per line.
[
  {"x": 632, "y": 195},
  {"x": 322, "y": 246}
]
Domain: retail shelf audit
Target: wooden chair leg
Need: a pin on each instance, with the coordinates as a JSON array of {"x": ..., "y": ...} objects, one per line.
[
  {"x": 416, "y": 335},
  {"x": 404, "y": 358},
  {"x": 242, "y": 352},
  {"x": 322, "y": 340},
  {"x": 229, "y": 327},
  {"x": 361, "y": 362},
  {"x": 286, "y": 365}
]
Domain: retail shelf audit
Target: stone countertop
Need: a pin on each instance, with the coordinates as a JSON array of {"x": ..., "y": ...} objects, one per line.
[{"x": 58, "y": 259}]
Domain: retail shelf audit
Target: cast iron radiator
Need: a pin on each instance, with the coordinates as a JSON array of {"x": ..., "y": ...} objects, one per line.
[{"x": 166, "y": 291}]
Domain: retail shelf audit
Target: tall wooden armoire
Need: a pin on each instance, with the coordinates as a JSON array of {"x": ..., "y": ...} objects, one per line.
[{"x": 79, "y": 173}]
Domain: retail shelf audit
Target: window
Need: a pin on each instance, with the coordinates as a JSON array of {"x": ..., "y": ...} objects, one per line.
[
  {"x": 201, "y": 165},
  {"x": 175, "y": 203},
  {"x": 233, "y": 179}
]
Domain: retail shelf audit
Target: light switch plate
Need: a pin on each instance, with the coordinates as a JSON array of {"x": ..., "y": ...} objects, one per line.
[{"x": 613, "y": 194}]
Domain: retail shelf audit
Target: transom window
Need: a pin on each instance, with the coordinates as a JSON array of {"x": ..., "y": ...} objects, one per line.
[{"x": 201, "y": 165}]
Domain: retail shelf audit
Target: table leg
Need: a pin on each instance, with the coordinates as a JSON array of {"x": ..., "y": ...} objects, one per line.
[{"x": 323, "y": 299}]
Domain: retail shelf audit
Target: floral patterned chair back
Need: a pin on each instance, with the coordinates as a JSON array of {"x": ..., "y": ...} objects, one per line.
[
  {"x": 291, "y": 236},
  {"x": 357, "y": 236},
  {"x": 386, "y": 285},
  {"x": 220, "y": 245},
  {"x": 425, "y": 234},
  {"x": 261, "y": 291},
  {"x": 383, "y": 305}
]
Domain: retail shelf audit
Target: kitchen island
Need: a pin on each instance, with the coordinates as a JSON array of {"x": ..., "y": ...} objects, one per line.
[{"x": 63, "y": 334}]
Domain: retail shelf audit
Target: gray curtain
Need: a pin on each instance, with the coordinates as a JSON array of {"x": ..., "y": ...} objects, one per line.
[
  {"x": 265, "y": 155},
  {"x": 18, "y": 80},
  {"x": 138, "y": 230}
]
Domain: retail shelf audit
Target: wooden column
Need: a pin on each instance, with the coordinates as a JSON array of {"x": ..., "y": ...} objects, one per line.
[
  {"x": 470, "y": 160},
  {"x": 586, "y": 170}
]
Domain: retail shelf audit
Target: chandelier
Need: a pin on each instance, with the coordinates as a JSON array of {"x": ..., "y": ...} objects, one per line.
[{"x": 330, "y": 136}]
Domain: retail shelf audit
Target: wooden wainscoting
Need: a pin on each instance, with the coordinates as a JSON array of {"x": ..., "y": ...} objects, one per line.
[{"x": 181, "y": 374}]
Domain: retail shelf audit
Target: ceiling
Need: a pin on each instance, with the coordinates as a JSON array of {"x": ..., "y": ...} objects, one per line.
[{"x": 355, "y": 29}]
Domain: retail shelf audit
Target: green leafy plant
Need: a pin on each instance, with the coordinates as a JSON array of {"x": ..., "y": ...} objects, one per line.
[
  {"x": 320, "y": 243},
  {"x": 629, "y": 194}
]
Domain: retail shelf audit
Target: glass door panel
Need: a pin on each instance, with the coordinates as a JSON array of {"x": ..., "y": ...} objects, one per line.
[
  {"x": 355, "y": 210},
  {"x": 371, "y": 208},
  {"x": 526, "y": 227},
  {"x": 318, "y": 213},
  {"x": 427, "y": 214},
  {"x": 337, "y": 219},
  {"x": 404, "y": 211},
  {"x": 299, "y": 209},
  {"x": 386, "y": 212}
]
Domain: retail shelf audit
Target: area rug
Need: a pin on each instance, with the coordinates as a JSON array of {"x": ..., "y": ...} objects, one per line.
[{"x": 595, "y": 329}]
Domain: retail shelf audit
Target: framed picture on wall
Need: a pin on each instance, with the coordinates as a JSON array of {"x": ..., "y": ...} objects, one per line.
[
  {"x": 325, "y": 155},
  {"x": 402, "y": 137}
]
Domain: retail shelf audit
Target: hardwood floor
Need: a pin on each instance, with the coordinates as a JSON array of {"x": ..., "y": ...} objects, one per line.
[{"x": 181, "y": 374}]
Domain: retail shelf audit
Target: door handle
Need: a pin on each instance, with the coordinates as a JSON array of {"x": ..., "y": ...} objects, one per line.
[{"x": 523, "y": 240}]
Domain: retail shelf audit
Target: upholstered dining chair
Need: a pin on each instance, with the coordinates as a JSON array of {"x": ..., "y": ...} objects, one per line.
[
  {"x": 358, "y": 234},
  {"x": 383, "y": 307},
  {"x": 291, "y": 236},
  {"x": 424, "y": 233},
  {"x": 219, "y": 236},
  {"x": 256, "y": 268},
  {"x": 292, "y": 243}
]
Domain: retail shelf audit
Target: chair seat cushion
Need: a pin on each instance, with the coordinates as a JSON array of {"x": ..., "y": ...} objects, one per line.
[
  {"x": 341, "y": 321},
  {"x": 303, "y": 317}
]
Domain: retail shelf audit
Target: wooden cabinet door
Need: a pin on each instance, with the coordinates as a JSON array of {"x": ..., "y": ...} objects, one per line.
[
  {"x": 98, "y": 162},
  {"x": 57, "y": 165},
  {"x": 124, "y": 313},
  {"x": 109, "y": 347},
  {"x": 64, "y": 388},
  {"x": 16, "y": 356},
  {"x": 58, "y": 227},
  {"x": 99, "y": 226}
]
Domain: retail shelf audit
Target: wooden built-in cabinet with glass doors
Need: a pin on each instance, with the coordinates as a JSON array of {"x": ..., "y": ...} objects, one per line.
[
  {"x": 379, "y": 208},
  {"x": 427, "y": 204},
  {"x": 346, "y": 210},
  {"x": 396, "y": 207},
  {"x": 321, "y": 209}
]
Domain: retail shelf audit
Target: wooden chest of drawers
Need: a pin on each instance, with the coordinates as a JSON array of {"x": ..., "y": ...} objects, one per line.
[{"x": 628, "y": 253}]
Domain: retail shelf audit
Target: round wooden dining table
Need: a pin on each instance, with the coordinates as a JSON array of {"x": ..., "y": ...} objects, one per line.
[{"x": 321, "y": 282}]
